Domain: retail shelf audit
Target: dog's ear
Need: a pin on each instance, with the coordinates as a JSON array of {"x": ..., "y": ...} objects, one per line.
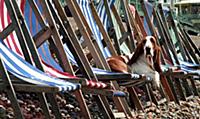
[
  {"x": 138, "y": 51},
  {"x": 156, "y": 59}
]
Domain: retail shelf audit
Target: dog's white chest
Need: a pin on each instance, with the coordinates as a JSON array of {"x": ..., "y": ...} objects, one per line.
[{"x": 141, "y": 66}]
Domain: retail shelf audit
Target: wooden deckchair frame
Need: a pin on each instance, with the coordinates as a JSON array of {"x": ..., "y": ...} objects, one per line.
[
  {"x": 184, "y": 42},
  {"x": 180, "y": 85},
  {"x": 73, "y": 42},
  {"x": 127, "y": 37},
  {"x": 136, "y": 24},
  {"x": 107, "y": 8},
  {"x": 139, "y": 34},
  {"x": 129, "y": 25},
  {"x": 14, "y": 14}
]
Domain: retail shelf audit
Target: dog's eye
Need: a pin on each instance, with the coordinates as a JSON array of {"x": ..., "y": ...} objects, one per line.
[
  {"x": 152, "y": 40},
  {"x": 144, "y": 41}
]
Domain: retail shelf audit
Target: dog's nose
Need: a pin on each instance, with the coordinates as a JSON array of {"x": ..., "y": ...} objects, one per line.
[{"x": 148, "y": 50}]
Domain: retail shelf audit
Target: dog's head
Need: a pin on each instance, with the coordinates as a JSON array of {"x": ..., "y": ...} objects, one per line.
[{"x": 149, "y": 48}]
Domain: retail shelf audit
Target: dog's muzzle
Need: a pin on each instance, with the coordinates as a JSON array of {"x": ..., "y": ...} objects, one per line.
[
  {"x": 148, "y": 51},
  {"x": 149, "y": 56}
]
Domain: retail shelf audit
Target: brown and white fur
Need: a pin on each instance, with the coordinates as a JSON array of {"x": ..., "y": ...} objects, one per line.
[{"x": 145, "y": 60}]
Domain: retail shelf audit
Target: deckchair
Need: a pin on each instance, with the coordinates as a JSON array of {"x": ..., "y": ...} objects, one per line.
[
  {"x": 139, "y": 31},
  {"x": 151, "y": 30},
  {"x": 187, "y": 56},
  {"x": 33, "y": 80},
  {"x": 91, "y": 86},
  {"x": 148, "y": 24},
  {"x": 6, "y": 32},
  {"x": 47, "y": 16}
]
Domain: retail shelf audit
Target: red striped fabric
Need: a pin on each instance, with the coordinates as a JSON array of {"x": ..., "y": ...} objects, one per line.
[{"x": 13, "y": 43}]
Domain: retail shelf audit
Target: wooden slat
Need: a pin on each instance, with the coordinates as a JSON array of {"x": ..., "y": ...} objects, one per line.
[
  {"x": 106, "y": 38},
  {"x": 7, "y": 31},
  {"x": 42, "y": 36}
]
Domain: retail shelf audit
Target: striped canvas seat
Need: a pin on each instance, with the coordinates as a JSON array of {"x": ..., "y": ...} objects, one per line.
[
  {"x": 98, "y": 71},
  {"x": 51, "y": 67},
  {"x": 28, "y": 73}
]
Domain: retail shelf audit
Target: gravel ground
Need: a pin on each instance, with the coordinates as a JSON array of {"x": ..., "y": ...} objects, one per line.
[{"x": 69, "y": 108}]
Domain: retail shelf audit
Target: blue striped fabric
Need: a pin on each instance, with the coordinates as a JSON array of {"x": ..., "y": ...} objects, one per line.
[
  {"x": 34, "y": 26},
  {"x": 102, "y": 12},
  {"x": 149, "y": 8},
  {"x": 85, "y": 8},
  {"x": 26, "y": 72}
]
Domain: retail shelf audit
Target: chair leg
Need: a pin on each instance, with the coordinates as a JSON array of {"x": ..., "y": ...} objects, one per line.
[
  {"x": 15, "y": 104},
  {"x": 10, "y": 91},
  {"x": 173, "y": 90},
  {"x": 180, "y": 89},
  {"x": 54, "y": 104},
  {"x": 82, "y": 104},
  {"x": 187, "y": 87},
  {"x": 44, "y": 105},
  {"x": 169, "y": 87},
  {"x": 194, "y": 87},
  {"x": 121, "y": 103},
  {"x": 134, "y": 98},
  {"x": 148, "y": 92},
  {"x": 163, "y": 93},
  {"x": 155, "y": 101}
]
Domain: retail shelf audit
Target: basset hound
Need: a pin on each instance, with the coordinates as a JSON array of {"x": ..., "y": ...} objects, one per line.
[{"x": 145, "y": 60}]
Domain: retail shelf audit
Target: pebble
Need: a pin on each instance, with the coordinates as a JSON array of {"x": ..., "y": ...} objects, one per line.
[{"x": 69, "y": 108}]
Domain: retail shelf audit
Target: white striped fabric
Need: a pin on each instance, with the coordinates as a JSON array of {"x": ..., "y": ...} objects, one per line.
[
  {"x": 25, "y": 71},
  {"x": 84, "y": 5},
  {"x": 13, "y": 43}
]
